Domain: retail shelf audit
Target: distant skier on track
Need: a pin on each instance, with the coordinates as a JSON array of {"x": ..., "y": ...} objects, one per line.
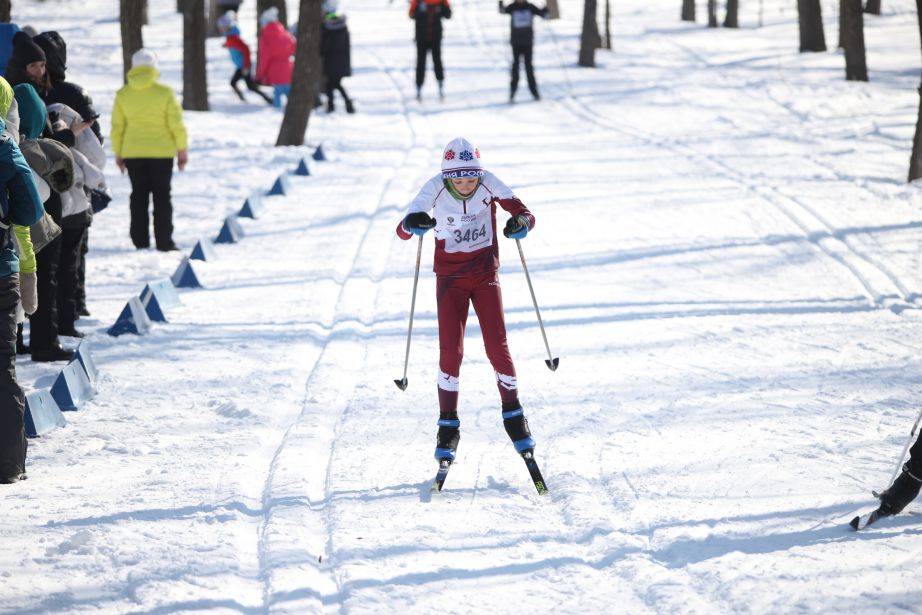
[
  {"x": 428, "y": 15},
  {"x": 463, "y": 199},
  {"x": 522, "y": 38}
]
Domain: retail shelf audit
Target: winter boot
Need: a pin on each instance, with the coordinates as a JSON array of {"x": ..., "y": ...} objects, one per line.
[
  {"x": 446, "y": 443},
  {"x": 350, "y": 108},
  {"x": 441, "y": 90},
  {"x": 419, "y": 93},
  {"x": 903, "y": 491},
  {"x": 330, "y": 106},
  {"x": 21, "y": 347},
  {"x": 517, "y": 428}
]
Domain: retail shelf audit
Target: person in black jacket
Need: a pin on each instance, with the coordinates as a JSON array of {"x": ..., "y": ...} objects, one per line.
[
  {"x": 335, "y": 49},
  {"x": 428, "y": 15},
  {"x": 75, "y": 97},
  {"x": 522, "y": 39}
]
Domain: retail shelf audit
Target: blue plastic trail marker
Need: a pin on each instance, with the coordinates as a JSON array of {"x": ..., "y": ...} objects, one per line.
[{"x": 133, "y": 319}]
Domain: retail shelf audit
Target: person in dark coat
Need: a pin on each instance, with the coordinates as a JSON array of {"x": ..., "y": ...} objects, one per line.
[
  {"x": 22, "y": 206},
  {"x": 522, "y": 38},
  {"x": 428, "y": 15},
  {"x": 77, "y": 98},
  {"x": 335, "y": 49}
]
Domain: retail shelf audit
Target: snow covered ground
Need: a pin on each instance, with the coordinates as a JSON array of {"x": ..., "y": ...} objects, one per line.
[{"x": 728, "y": 262}]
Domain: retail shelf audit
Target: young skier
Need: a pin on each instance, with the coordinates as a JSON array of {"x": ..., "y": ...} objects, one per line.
[
  {"x": 240, "y": 56},
  {"x": 522, "y": 39},
  {"x": 463, "y": 199},
  {"x": 428, "y": 15}
]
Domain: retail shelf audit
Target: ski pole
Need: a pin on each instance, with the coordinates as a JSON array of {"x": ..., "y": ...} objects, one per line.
[
  {"x": 402, "y": 383},
  {"x": 899, "y": 463},
  {"x": 552, "y": 362}
]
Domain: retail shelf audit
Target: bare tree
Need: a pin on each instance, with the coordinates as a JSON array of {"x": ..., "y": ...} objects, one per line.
[
  {"x": 712, "y": 14},
  {"x": 732, "y": 18},
  {"x": 6, "y": 8},
  {"x": 306, "y": 76},
  {"x": 553, "y": 9},
  {"x": 688, "y": 10},
  {"x": 841, "y": 44},
  {"x": 131, "y": 18},
  {"x": 810, "y": 19},
  {"x": 856, "y": 68},
  {"x": 872, "y": 7},
  {"x": 194, "y": 75},
  {"x": 607, "y": 43},
  {"x": 589, "y": 38},
  {"x": 915, "y": 160}
]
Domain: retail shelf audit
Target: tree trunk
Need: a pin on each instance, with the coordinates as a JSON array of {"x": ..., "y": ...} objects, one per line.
[
  {"x": 588, "y": 40},
  {"x": 130, "y": 18},
  {"x": 553, "y": 9},
  {"x": 856, "y": 68},
  {"x": 915, "y": 160},
  {"x": 688, "y": 10},
  {"x": 712, "y": 14},
  {"x": 732, "y": 18},
  {"x": 810, "y": 18},
  {"x": 608, "y": 24},
  {"x": 6, "y": 7},
  {"x": 841, "y": 25},
  {"x": 144, "y": 4},
  {"x": 213, "y": 15},
  {"x": 306, "y": 77},
  {"x": 872, "y": 7},
  {"x": 194, "y": 75},
  {"x": 180, "y": 6}
]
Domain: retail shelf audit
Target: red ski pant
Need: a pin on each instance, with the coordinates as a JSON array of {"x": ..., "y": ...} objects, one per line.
[{"x": 454, "y": 296}]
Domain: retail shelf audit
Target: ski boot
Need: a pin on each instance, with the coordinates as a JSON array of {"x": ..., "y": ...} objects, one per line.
[
  {"x": 516, "y": 426},
  {"x": 441, "y": 90},
  {"x": 419, "y": 93},
  {"x": 903, "y": 491},
  {"x": 446, "y": 443}
]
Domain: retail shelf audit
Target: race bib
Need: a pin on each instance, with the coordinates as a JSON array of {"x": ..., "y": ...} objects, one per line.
[
  {"x": 521, "y": 19},
  {"x": 468, "y": 232}
]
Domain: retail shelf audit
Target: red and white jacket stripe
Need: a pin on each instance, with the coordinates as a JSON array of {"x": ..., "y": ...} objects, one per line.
[{"x": 465, "y": 230}]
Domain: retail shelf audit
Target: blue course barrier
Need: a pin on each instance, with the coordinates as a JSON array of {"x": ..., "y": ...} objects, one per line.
[
  {"x": 133, "y": 319},
  {"x": 72, "y": 388},
  {"x": 280, "y": 187},
  {"x": 42, "y": 414},
  {"x": 303, "y": 170},
  {"x": 252, "y": 208},
  {"x": 231, "y": 232},
  {"x": 157, "y": 297},
  {"x": 318, "y": 153},
  {"x": 184, "y": 276},
  {"x": 85, "y": 359},
  {"x": 202, "y": 251}
]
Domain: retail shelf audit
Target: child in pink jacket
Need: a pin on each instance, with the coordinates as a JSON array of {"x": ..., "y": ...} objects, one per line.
[{"x": 276, "y": 48}]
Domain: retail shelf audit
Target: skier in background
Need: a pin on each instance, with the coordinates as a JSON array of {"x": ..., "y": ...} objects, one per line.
[
  {"x": 240, "y": 56},
  {"x": 522, "y": 39},
  {"x": 463, "y": 199},
  {"x": 428, "y": 15}
]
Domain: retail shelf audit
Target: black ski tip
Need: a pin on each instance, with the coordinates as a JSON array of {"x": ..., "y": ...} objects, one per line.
[
  {"x": 401, "y": 384},
  {"x": 552, "y": 363},
  {"x": 854, "y": 523}
]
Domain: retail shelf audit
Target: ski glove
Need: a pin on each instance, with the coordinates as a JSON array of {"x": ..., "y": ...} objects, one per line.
[
  {"x": 418, "y": 223},
  {"x": 516, "y": 227},
  {"x": 28, "y": 293}
]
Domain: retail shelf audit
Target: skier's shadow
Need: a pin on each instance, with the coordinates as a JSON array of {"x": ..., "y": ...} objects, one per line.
[{"x": 451, "y": 494}]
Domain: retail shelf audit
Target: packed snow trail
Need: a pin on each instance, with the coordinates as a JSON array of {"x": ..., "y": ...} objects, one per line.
[{"x": 728, "y": 265}]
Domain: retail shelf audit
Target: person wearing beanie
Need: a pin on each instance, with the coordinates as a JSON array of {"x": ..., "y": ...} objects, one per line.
[
  {"x": 463, "y": 199},
  {"x": 27, "y": 64},
  {"x": 335, "y": 49},
  {"x": 428, "y": 15},
  {"x": 240, "y": 56},
  {"x": 275, "y": 63},
  {"x": 147, "y": 134},
  {"x": 522, "y": 13},
  {"x": 22, "y": 206}
]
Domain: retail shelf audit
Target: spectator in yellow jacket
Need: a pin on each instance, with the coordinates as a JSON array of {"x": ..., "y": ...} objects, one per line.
[{"x": 147, "y": 133}]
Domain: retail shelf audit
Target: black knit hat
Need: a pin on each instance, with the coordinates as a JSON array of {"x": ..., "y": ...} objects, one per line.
[{"x": 25, "y": 49}]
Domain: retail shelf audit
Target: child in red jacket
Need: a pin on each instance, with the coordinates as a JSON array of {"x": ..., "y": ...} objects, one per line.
[
  {"x": 463, "y": 199},
  {"x": 240, "y": 56}
]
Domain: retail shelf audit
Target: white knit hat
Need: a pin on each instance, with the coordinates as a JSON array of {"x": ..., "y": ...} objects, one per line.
[
  {"x": 143, "y": 57},
  {"x": 461, "y": 159},
  {"x": 268, "y": 16}
]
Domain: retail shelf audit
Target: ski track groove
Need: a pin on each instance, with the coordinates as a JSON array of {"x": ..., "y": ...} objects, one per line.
[
  {"x": 263, "y": 550},
  {"x": 877, "y": 298}
]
